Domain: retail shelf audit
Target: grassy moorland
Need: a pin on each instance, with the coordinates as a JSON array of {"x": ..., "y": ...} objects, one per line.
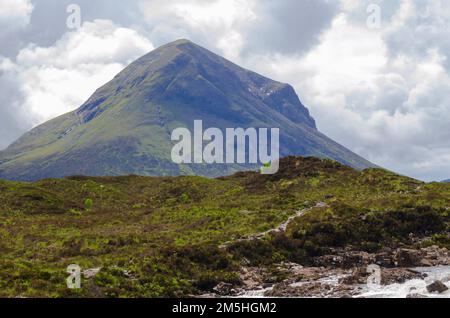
[{"x": 155, "y": 237}]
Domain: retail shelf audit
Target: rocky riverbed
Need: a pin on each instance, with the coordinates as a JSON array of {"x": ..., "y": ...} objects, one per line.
[{"x": 344, "y": 273}]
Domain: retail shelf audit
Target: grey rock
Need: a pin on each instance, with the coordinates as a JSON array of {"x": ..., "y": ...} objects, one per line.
[{"x": 437, "y": 287}]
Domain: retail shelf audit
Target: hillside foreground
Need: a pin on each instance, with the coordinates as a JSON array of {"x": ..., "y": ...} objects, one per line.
[{"x": 190, "y": 236}]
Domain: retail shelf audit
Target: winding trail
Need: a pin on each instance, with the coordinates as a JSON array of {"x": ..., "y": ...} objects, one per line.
[{"x": 281, "y": 228}]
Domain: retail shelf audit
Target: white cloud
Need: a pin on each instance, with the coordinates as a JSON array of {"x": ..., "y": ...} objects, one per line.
[
  {"x": 214, "y": 23},
  {"x": 60, "y": 78},
  {"x": 14, "y": 14},
  {"x": 239, "y": 27}
]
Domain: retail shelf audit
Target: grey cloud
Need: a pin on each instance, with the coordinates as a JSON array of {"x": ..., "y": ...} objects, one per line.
[
  {"x": 12, "y": 124},
  {"x": 289, "y": 26},
  {"x": 428, "y": 28},
  {"x": 360, "y": 14}
]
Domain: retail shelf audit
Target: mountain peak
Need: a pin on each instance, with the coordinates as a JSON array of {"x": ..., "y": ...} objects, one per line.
[
  {"x": 178, "y": 49},
  {"x": 125, "y": 126},
  {"x": 180, "y": 41},
  {"x": 180, "y": 46},
  {"x": 182, "y": 70}
]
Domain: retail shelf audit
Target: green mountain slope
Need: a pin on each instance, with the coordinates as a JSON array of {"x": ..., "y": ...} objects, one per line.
[
  {"x": 125, "y": 127},
  {"x": 163, "y": 236}
]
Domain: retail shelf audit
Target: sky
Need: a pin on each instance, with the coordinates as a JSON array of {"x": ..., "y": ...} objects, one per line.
[{"x": 375, "y": 74}]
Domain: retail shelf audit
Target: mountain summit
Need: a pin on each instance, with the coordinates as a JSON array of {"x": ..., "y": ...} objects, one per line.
[{"x": 125, "y": 126}]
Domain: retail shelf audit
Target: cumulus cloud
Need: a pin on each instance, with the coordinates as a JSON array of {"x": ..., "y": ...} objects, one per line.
[
  {"x": 14, "y": 14},
  {"x": 240, "y": 27},
  {"x": 216, "y": 24},
  {"x": 50, "y": 81},
  {"x": 389, "y": 102}
]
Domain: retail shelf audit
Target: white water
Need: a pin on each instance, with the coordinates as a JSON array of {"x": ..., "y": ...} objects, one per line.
[
  {"x": 415, "y": 286},
  {"x": 331, "y": 280},
  {"x": 258, "y": 293}
]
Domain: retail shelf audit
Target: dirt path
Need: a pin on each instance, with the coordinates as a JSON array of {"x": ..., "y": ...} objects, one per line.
[{"x": 281, "y": 228}]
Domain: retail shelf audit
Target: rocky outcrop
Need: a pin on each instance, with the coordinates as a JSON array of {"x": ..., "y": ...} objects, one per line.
[
  {"x": 399, "y": 275},
  {"x": 341, "y": 274},
  {"x": 407, "y": 258},
  {"x": 387, "y": 258},
  {"x": 313, "y": 289},
  {"x": 389, "y": 276}
]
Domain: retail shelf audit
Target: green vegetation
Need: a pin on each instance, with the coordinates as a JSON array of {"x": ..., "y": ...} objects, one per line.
[
  {"x": 155, "y": 237},
  {"x": 88, "y": 204}
]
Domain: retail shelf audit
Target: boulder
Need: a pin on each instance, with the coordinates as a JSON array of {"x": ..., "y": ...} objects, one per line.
[
  {"x": 437, "y": 287},
  {"x": 388, "y": 276},
  {"x": 398, "y": 275},
  {"x": 384, "y": 259},
  {"x": 358, "y": 276},
  {"x": 352, "y": 259},
  {"x": 224, "y": 289},
  {"x": 436, "y": 256},
  {"x": 407, "y": 258}
]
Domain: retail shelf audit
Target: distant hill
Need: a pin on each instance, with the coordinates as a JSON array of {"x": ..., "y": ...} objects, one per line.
[
  {"x": 125, "y": 126},
  {"x": 448, "y": 180}
]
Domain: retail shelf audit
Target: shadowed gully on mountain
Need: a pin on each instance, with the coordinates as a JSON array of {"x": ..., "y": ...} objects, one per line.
[{"x": 125, "y": 126}]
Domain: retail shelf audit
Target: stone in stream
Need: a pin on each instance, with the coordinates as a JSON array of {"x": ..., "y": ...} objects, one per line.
[{"x": 437, "y": 286}]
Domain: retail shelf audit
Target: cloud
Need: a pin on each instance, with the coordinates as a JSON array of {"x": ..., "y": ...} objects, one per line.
[
  {"x": 390, "y": 103},
  {"x": 47, "y": 21},
  {"x": 12, "y": 113},
  {"x": 216, "y": 24},
  {"x": 14, "y": 14},
  {"x": 240, "y": 27},
  {"x": 288, "y": 26},
  {"x": 419, "y": 26},
  {"x": 50, "y": 81}
]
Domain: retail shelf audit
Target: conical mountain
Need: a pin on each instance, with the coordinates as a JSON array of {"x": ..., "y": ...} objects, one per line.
[{"x": 125, "y": 126}]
